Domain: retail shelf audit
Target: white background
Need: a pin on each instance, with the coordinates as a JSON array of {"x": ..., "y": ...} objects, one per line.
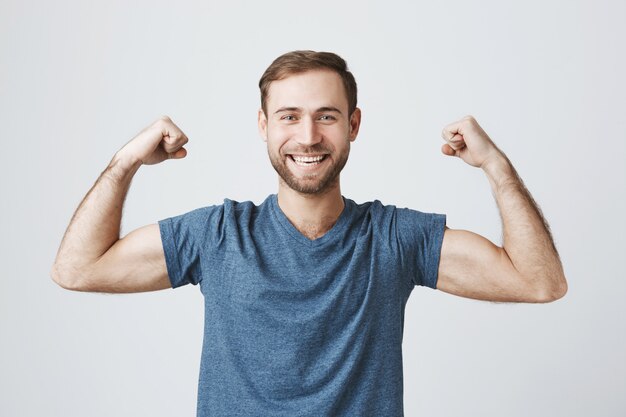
[{"x": 544, "y": 79}]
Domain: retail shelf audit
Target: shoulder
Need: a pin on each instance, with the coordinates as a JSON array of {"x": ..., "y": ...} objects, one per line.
[
  {"x": 374, "y": 217},
  {"x": 371, "y": 208},
  {"x": 212, "y": 223},
  {"x": 228, "y": 207},
  {"x": 379, "y": 210},
  {"x": 241, "y": 210},
  {"x": 405, "y": 223}
]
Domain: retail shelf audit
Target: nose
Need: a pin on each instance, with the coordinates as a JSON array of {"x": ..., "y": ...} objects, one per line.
[{"x": 309, "y": 133}]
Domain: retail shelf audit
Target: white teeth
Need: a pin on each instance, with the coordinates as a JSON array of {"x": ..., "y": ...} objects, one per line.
[{"x": 307, "y": 158}]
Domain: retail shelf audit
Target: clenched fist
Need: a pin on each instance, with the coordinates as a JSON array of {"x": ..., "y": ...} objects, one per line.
[
  {"x": 160, "y": 141},
  {"x": 467, "y": 140}
]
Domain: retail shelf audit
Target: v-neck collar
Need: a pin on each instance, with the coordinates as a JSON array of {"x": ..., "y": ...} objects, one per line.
[{"x": 331, "y": 235}]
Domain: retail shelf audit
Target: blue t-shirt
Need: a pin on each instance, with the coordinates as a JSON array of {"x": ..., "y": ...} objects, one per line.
[{"x": 300, "y": 327}]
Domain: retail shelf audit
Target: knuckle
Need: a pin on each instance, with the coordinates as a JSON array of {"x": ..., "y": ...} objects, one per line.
[{"x": 162, "y": 121}]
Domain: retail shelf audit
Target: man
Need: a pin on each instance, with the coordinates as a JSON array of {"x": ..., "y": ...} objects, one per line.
[{"x": 305, "y": 293}]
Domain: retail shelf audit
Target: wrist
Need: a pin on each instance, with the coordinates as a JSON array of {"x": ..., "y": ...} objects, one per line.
[
  {"x": 125, "y": 162},
  {"x": 499, "y": 171},
  {"x": 497, "y": 165},
  {"x": 123, "y": 165}
]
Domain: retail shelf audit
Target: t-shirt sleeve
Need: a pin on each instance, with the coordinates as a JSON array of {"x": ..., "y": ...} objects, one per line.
[
  {"x": 185, "y": 239},
  {"x": 420, "y": 236}
]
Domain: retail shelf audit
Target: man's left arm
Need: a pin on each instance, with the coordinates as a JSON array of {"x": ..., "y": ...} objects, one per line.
[{"x": 527, "y": 267}]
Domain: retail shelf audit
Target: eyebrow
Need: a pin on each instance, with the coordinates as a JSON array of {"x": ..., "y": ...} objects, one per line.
[{"x": 299, "y": 110}]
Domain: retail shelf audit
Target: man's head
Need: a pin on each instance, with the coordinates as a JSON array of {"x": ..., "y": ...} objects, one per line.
[
  {"x": 297, "y": 62},
  {"x": 308, "y": 118}
]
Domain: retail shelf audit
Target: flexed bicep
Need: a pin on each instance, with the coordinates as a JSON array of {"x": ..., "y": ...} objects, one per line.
[
  {"x": 135, "y": 263},
  {"x": 471, "y": 266}
]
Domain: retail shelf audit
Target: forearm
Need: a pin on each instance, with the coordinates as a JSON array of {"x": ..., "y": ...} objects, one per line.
[
  {"x": 95, "y": 226},
  {"x": 527, "y": 239}
]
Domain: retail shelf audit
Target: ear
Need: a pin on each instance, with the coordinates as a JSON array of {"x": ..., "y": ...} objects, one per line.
[
  {"x": 262, "y": 125},
  {"x": 355, "y": 123}
]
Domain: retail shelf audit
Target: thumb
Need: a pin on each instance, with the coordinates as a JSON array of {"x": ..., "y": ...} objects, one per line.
[
  {"x": 447, "y": 150},
  {"x": 181, "y": 153}
]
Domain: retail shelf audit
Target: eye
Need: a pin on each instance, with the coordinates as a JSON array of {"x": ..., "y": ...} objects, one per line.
[
  {"x": 288, "y": 117},
  {"x": 327, "y": 117}
]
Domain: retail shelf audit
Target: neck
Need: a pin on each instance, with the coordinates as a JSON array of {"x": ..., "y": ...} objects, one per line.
[{"x": 312, "y": 214}]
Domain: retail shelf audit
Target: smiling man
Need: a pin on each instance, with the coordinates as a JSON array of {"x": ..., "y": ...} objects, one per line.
[
  {"x": 305, "y": 293},
  {"x": 308, "y": 120}
]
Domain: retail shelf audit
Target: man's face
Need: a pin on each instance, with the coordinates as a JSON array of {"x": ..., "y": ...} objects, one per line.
[{"x": 308, "y": 130}]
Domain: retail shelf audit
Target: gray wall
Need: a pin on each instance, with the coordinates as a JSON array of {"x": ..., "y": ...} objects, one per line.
[{"x": 545, "y": 80}]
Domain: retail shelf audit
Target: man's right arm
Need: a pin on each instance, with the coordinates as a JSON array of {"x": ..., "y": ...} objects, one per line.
[{"x": 92, "y": 257}]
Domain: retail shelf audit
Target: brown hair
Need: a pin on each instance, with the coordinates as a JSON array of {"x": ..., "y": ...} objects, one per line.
[{"x": 297, "y": 62}]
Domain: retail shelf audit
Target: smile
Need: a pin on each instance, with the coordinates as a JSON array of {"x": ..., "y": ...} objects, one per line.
[{"x": 307, "y": 160}]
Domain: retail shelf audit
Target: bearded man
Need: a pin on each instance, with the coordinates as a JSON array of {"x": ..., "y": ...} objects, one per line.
[{"x": 305, "y": 293}]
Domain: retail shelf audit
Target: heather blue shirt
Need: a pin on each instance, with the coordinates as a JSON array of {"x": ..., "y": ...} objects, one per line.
[{"x": 300, "y": 327}]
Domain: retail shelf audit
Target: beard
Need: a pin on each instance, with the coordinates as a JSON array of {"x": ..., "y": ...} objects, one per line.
[{"x": 314, "y": 183}]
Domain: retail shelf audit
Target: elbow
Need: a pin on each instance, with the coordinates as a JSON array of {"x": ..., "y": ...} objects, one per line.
[
  {"x": 68, "y": 278},
  {"x": 562, "y": 289},
  {"x": 553, "y": 292}
]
